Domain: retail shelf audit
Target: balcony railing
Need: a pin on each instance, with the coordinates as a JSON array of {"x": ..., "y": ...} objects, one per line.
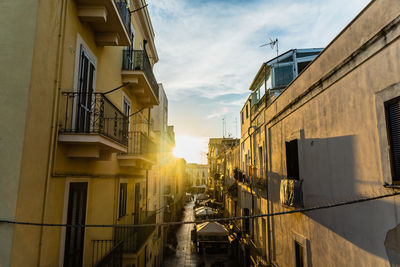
[
  {"x": 138, "y": 60},
  {"x": 291, "y": 193},
  {"x": 135, "y": 237},
  {"x": 93, "y": 113},
  {"x": 138, "y": 143},
  {"x": 125, "y": 14},
  {"x": 107, "y": 253},
  {"x": 258, "y": 253}
]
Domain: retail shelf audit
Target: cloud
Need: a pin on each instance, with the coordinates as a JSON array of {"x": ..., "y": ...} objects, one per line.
[
  {"x": 209, "y": 49},
  {"x": 218, "y": 114},
  {"x": 212, "y": 47}
]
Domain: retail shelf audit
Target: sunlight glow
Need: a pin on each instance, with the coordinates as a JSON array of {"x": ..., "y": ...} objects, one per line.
[{"x": 192, "y": 149}]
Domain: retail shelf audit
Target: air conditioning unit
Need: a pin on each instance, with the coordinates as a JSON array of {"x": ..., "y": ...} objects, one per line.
[{"x": 291, "y": 193}]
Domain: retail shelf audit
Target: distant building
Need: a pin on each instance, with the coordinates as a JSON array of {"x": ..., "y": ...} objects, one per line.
[
  {"x": 197, "y": 177},
  {"x": 217, "y": 148}
]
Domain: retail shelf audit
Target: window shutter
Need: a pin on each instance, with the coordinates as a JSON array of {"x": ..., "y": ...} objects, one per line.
[
  {"x": 292, "y": 160},
  {"x": 393, "y": 119}
]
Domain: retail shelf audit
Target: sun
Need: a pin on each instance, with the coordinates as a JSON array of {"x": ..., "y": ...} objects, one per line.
[{"x": 191, "y": 148}]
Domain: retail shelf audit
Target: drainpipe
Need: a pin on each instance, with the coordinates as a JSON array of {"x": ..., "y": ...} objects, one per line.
[
  {"x": 251, "y": 182},
  {"x": 147, "y": 171},
  {"x": 53, "y": 142},
  {"x": 266, "y": 169},
  {"x": 268, "y": 204}
]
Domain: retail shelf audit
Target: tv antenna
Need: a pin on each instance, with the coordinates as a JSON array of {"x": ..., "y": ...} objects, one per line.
[
  {"x": 223, "y": 127},
  {"x": 272, "y": 43},
  {"x": 236, "y": 127}
]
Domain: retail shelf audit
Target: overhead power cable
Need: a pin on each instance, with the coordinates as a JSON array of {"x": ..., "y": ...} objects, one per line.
[
  {"x": 115, "y": 89},
  {"x": 138, "y": 8},
  {"x": 338, "y": 204},
  {"x": 136, "y": 112},
  {"x": 119, "y": 87}
]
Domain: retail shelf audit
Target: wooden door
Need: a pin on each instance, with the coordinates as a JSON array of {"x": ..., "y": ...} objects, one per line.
[{"x": 75, "y": 236}]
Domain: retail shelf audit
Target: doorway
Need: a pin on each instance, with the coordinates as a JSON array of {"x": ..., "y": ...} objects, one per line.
[{"x": 75, "y": 236}]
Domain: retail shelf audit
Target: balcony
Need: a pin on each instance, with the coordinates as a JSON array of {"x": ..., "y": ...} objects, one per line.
[
  {"x": 291, "y": 194},
  {"x": 134, "y": 238},
  {"x": 137, "y": 71},
  {"x": 140, "y": 153},
  {"x": 257, "y": 253},
  {"x": 91, "y": 126},
  {"x": 107, "y": 253},
  {"x": 109, "y": 19}
]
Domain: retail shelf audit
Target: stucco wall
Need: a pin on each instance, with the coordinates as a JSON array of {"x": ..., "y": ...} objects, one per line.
[
  {"x": 29, "y": 72},
  {"x": 339, "y": 136}
]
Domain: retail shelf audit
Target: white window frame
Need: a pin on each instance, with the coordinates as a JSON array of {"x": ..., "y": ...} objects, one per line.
[{"x": 82, "y": 45}]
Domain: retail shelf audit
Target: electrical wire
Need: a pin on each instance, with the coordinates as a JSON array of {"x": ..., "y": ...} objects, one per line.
[
  {"x": 136, "y": 112},
  {"x": 138, "y": 8},
  {"x": 115, "y": 89},
  {"x": 228, "y": 219}
]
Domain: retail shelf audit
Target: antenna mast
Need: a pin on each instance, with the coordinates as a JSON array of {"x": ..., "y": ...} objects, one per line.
[
  {"x": 272, "y": 43},
  {"x": 236, "y": 127},
  {"x": 223, "y": 127}
]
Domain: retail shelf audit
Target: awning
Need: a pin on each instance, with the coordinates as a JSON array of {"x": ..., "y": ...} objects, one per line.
[
  {"x": 211, "y": 228},
  {"x": 203, "y": 211}
]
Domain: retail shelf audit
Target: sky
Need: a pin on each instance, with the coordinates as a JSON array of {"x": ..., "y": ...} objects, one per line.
[{"x": 209, "y": 52}]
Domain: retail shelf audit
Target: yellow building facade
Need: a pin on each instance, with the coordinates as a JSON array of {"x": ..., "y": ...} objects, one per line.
[{"x": 76, "y": 151}]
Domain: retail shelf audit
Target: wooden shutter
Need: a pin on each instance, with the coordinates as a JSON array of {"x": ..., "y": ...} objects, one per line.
[
  {"x": 75, "y": 236},
  {"x": 122, "y": 199},
  {"x": 393, "y": 122},
  {"x": 292, "y": 160}
]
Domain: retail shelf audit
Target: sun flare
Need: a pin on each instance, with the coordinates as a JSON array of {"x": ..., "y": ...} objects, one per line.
[{"x": 192, "y": 149}]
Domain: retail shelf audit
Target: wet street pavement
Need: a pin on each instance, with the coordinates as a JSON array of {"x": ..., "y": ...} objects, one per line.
[{"x": 186, "y": 253}]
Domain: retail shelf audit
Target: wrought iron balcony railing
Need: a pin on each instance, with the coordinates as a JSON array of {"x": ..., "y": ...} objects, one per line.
[
  {"x": 257, "y": 252},
  {"x": 135, "y": 237},
  {"x": 93, "y": 113},
  {"x": 138, "y": 60},
  {"x": 138, "y": 143},
  {"x": 291, "y": 193},
  {"x": 107, "y": 253},
  {"x": 125, "y": 14}
]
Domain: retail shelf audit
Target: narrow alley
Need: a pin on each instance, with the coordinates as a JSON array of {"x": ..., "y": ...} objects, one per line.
[{"x": 186, "y": 254}]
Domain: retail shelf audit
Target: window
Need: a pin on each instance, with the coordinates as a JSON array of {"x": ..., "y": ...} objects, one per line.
[
  {"x": 283, "y": 75},
  {"x": 86, "y": 82},
  {"x": 292, "y": 160},
  {"x": 126, "y": 106},
  {"x": 203, "y": 174},
  {"x": 242, "y": 117},
  {"x": 302, "y": 65},
  {"x": 123, "y": 188},
  {"x": 393, "y": 124},
  {"x": 299, "y": 253},
  {"x": 260, "y": 153},
  {"x": 247, "y": 111}
]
